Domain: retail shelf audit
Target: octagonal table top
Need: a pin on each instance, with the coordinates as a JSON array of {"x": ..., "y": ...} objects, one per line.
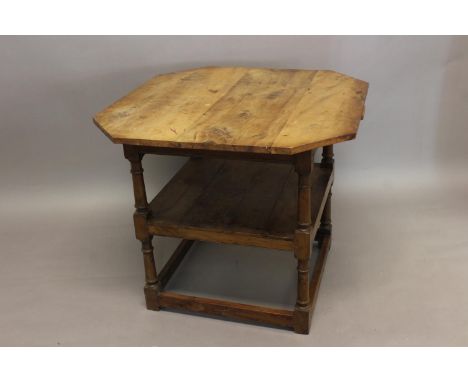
[{"x": 276, "y": 111}]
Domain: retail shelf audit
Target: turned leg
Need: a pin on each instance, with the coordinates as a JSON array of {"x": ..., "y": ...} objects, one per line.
[
  {"x": 325, "y": 228},
  {"x": 140, "y": 218},
  {"x": 302, "y": 243}
]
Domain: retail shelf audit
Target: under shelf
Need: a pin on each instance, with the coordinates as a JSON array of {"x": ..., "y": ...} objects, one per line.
[{"x": 236, "y": 202}]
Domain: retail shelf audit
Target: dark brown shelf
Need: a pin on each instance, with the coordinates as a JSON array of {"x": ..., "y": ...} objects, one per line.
[{"x": 236, "y": 202}]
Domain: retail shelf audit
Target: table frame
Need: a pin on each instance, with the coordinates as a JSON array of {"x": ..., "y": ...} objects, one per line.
[{"x": 305, "y": 234}]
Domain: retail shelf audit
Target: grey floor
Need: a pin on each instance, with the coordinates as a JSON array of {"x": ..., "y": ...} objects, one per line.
[{"x": 72, "y": 274}]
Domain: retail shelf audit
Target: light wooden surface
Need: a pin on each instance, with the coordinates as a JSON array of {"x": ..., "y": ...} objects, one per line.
[{"x": 239, "y": 109}]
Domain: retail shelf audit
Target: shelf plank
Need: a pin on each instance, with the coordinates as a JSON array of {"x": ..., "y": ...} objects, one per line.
[{"x": 235, "y": 202}]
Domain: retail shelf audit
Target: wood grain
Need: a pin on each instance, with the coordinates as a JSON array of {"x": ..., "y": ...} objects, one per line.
[
  {"x": 236, "y": 202},
  {"x": 275, "y": 111},
  {"x": 228, "y": 309}
]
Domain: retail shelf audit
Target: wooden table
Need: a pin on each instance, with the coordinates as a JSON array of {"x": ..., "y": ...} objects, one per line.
[{"x": 250, "y": 135}]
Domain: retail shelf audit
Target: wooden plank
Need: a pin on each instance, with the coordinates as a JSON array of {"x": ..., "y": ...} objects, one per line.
[
  {"x": 228, "y": 208},
  {"x": 162, "y": 108},
  {"x": 261, "y": 195},
  {"x": 284, "y": 212},
  {"x": 245, "y": 203},
  {"x": 174, "y": 261},
  {"x": 238, "y": 155},
  {"x": 227, "y": 309},
  {"x": 254, "y": 110},
  {"x": 223, "y": 197},
  {"x": 221, "y": 235},
  {"x": 180, "y": 193},
  {"x": 329, "y": 112},
  {"x": 272, "y": 111}
]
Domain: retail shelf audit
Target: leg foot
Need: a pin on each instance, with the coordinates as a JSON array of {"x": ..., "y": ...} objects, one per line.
[
  {"x": 301, "y": 320},
  {"x": 152, "y": 297}
]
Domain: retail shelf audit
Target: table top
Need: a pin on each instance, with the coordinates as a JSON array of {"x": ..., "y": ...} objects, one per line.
[{"x": 276, "y": 111}]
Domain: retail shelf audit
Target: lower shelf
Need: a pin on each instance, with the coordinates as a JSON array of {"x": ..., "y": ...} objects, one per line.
[
  {"x": 235, "y": 202},
  {"x": 157, "y": 298}
]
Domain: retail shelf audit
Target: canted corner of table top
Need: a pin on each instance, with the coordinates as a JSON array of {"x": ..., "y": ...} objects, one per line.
[{"x": 272, "y": 111}]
